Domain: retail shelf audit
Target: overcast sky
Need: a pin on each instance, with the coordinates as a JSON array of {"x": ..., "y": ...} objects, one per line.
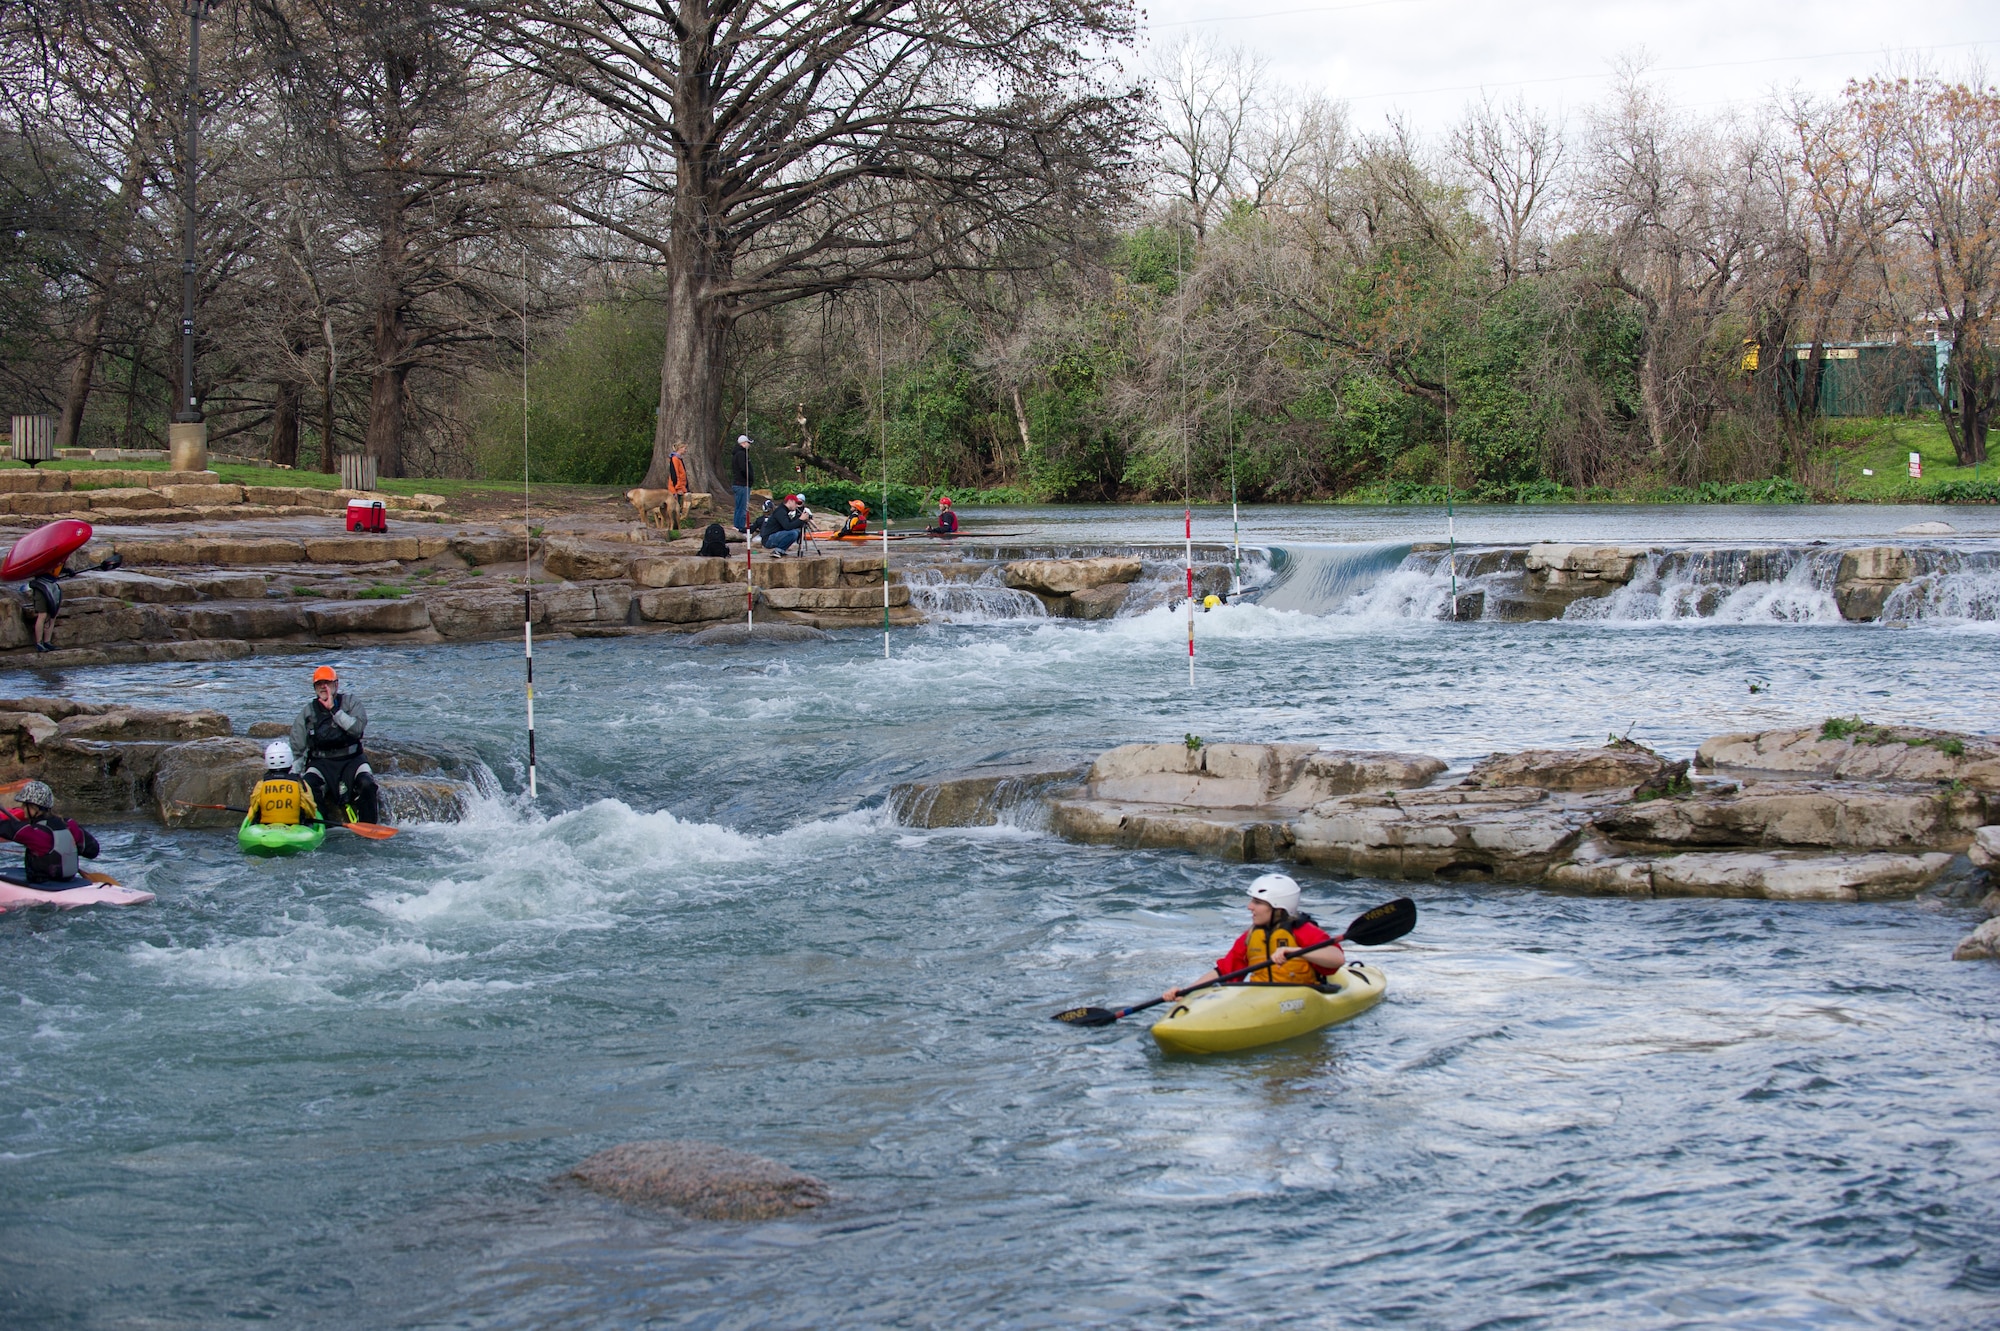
[{"x": 1430, "y": 57}]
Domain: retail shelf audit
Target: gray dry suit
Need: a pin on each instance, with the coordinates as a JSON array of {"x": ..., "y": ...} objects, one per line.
[{"x": 327, "y": 754}]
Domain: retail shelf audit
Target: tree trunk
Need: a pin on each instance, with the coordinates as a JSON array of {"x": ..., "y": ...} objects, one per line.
[
  {"x": 691, "y": 379},
  {"x": 284, "y": 446},
  {"x": 385, "y": 391},
  {"x": 89, "y": 333},
  {"x": 1967, "y": 426},
  {"x": 1021, "y": 424}
]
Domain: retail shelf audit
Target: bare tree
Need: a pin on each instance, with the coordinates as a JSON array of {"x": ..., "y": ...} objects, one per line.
[
  {"x": 1515, "y": 155},
  {"x": 416, "y": 147},
  {"x": 767, "y": 152},
  {"x": 1944, "y": 154}
]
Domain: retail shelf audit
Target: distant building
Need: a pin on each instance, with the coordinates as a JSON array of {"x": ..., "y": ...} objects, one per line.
[{"x": 1885, "y": 378}]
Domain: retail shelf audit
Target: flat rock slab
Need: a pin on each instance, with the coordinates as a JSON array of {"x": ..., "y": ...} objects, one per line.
[
  {"x": 701, "y": 1180},
  {"x": 1613, "y": 767},
  {"x": 1866, "y": 753},
  {"x": 747, "y": 635}
]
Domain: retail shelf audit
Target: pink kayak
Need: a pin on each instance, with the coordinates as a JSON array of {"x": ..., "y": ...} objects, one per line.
[{"x": 107, "y": 893}]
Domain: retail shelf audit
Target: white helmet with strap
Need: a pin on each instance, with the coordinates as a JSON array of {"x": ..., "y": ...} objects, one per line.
[
  {"x": 277, "y": 754},
  {"x": 1277, "y": 890}
]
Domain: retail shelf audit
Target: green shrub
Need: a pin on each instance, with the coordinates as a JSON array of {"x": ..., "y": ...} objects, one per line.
[
  {"x": 1842, "y": 727},
  {"x": 380, "y": 592}
]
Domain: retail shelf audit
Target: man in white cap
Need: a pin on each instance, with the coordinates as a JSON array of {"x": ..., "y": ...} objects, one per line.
[{"x": 739, "y": 479}]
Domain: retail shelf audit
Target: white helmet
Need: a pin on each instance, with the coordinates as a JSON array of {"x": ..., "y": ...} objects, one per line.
[
  {"x": 277, "y": 754},
  {"x": 1277, "y": 889}
]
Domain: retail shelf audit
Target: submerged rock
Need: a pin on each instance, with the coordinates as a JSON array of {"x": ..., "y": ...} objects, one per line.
[
  {"x": 978, "y": 798},
  {"x": 1982, "y": 944},
  {"x": 701, "y": 1180},
  {"x": 744, "y": 635}
]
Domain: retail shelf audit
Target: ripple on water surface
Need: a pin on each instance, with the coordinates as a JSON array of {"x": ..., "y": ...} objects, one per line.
[{"x": 333, "y": 1091}]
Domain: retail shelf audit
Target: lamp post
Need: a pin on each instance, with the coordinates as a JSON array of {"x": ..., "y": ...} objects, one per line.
[{"x": 187, "y": 435}]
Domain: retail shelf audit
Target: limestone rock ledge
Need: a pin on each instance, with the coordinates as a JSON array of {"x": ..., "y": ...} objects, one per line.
[
  {"x": 106, "y": 761},
  {"x": 1619, "y": 820}
]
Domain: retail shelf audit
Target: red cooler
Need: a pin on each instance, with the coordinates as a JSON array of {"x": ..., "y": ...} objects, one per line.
[{"x": 367, "y": 515}]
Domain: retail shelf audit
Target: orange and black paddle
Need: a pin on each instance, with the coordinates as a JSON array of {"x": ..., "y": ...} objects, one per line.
[
  {"x": 373, "y": 831},
  {"x": 1384, "y": 924}
]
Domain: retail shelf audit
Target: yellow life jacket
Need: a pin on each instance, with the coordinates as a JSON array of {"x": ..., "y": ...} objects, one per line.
[
  {"x": 284, "y": 801},
  {"x": 1261, "y": 943}
]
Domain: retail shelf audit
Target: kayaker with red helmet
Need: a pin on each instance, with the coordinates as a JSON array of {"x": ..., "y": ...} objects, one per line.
[
  {"x": 53, "y": 845},
  {"x": 947, "y": 518},
  {"x": 1304, "y": 952},
  {"x": 326, "y": 739}
]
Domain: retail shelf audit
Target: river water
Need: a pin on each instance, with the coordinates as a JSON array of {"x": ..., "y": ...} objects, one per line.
[{"x": 338, "y": 1090}]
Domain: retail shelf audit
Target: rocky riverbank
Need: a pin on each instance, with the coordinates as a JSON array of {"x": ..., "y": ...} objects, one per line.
[
  {"x": 105, "y": 761},
  {"x": 1844, "y": 812}
]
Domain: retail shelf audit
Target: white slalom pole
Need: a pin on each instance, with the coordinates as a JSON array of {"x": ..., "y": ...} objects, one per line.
[
  {"x": 1450, "y": 529},
  {"x": 1190, "y": 590},
  {"x": 527, "y": 534},
  {"x": 882, "y": 423}
]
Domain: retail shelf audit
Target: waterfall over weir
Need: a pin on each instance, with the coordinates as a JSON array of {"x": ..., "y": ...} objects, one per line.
[
  {"x": 1769, "y": 584},
  {"x": 1323, "y": 579}
]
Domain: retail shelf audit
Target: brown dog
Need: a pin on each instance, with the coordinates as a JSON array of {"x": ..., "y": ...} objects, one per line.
[{"x": 658, "y": 508}]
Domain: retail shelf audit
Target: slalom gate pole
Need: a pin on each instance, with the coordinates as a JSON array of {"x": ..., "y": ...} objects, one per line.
[
  {"x": 1450, "y": 530},
  {"x": 527, "y": 535},
  {"x": 1189, "y": 516},
  {"x": 749, "y": 588},
  {"x": 882, "y": 427}
]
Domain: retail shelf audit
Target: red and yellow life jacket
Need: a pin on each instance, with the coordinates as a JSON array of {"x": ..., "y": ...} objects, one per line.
[{"x": 1261, "y": 943}]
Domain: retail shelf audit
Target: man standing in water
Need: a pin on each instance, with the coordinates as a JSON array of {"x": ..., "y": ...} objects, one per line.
[
  {"x": 327, "y": 739},
  {"x": 739, "y": 479}
]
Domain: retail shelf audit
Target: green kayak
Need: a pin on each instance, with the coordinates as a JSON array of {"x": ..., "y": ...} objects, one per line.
[{"x": 279, "y": 838}]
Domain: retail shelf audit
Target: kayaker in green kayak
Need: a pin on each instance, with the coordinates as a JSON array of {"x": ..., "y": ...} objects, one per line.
[
  {"x": 1304, "y": 952},
  {"x": 281, "y": 799}
]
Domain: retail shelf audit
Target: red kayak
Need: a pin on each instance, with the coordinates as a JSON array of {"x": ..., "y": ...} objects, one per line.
[{"x": 44, "y": 549}]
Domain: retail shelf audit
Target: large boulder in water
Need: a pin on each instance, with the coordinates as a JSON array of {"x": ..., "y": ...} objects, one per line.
[
  {"x": 1061, "y": 577},
  {"x": 1854, "y": 750},
  {"x": 701, "y": 1180},
  {"x": 207, "y": 771}
]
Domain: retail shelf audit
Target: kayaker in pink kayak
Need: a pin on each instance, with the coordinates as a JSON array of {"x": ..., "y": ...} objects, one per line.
[
  {"x": 1301, "y": 951},
  {"x": 54, "y": 845}
]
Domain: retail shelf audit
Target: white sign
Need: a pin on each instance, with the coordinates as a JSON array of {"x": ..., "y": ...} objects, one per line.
[{"x": 1916, "y": 464}]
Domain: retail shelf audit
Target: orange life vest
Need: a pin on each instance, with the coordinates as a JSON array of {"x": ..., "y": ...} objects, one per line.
[
  {"x": 677, "y": 476},
  {"x": 1261, "y": 943}
]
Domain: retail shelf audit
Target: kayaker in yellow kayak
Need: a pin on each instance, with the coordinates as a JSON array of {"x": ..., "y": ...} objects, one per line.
[
  {"x": 281, "y": 799},
  {"x": 1304, "y": 952}
]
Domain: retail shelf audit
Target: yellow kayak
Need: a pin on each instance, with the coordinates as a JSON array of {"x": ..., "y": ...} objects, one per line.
[{"x": 1243, "y": 1016}]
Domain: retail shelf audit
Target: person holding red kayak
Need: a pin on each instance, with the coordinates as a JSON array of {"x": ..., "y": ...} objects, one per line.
[
  {"x": 54, "y": 845},
  {"x": 1304, "y": 952}
]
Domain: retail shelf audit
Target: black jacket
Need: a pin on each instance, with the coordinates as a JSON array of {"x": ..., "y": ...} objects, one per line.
[
  {"x": 739, "y": 465},
  {"x": 784, "y": 519}
]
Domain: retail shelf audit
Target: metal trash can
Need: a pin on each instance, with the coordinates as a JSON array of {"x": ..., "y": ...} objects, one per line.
[
  {"x": 357, "y": 471},
  {"x": 34, "y": 439}
]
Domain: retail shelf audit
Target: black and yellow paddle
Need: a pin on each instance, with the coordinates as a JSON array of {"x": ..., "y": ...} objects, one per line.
[
  {"x": 1372, "y": 928},
  {"x": 373, "y": 831}
]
